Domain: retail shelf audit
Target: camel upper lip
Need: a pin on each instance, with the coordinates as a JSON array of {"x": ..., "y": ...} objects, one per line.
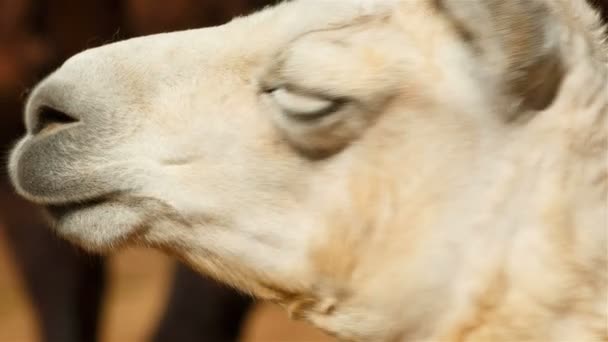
[{"x": 58, "y": 210}]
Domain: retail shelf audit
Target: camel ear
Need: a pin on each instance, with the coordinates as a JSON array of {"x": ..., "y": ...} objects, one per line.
[{"x": 517, "y": 42}]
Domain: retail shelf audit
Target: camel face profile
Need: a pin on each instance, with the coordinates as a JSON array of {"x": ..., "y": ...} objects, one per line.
[{"x": 388, "y": 170}]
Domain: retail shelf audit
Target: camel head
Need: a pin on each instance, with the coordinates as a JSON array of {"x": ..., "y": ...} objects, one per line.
[{"x": 379, "y": 168}]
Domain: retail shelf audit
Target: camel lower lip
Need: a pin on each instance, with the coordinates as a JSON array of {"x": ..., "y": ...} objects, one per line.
[
  {"x": 97, "y": 224},
  {"x": 60, "y": 210}
]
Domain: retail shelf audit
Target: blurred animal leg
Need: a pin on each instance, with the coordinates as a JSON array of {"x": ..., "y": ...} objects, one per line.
[{"x": 199, "y": 309}]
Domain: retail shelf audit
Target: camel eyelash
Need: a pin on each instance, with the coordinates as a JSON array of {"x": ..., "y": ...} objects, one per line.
[{"x": 304, "y": 106}]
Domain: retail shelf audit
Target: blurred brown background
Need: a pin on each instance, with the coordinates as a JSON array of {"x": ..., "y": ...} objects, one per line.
[{"x": 51, "y": 291}]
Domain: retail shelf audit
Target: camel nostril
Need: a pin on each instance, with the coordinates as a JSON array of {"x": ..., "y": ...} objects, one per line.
[{"x": 48, "y": 118}]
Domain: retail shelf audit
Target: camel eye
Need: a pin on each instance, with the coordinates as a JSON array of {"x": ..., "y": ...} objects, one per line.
[
  {"x": 301, "y": 106},
  {"x": 314, "y": 123}
]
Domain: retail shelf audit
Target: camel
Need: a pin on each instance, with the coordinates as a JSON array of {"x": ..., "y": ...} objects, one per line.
[
  {"x": 429, "y": 170},
  {"x": 67, "y": 299}
]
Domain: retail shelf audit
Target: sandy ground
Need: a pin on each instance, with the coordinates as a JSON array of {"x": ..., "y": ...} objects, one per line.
[{"x": 136, "y": 296}]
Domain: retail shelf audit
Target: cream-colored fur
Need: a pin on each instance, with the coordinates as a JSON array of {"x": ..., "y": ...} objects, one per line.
[{"x": 420, "y": 170}]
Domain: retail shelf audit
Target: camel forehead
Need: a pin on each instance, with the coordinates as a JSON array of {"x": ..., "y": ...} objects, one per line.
[{"x": 258, "y": 33}]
